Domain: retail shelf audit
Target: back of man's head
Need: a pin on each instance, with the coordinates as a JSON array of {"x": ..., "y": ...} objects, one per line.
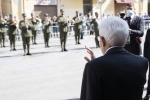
[{"x": 115, "y": 31}]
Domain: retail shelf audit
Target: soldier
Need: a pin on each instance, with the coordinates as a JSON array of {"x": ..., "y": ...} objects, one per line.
[
  {"x": 95, "y": 22},
  {"x": 46, "y": 29},
  {"x": 77, "y": 21},
  {"x": 26, "y": 29},
  {"x": 35, "y": 23},
  {"x": 3, "y": 22},
  {"x": 12, "y": 32},
  {"x": 63, "y": 29}
]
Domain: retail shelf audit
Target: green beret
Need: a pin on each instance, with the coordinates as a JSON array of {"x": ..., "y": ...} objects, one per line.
[{"x": 46, "y": 14}]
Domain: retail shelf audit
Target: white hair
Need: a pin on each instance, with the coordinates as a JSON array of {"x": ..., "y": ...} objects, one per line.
[{"x": 114, "y": 30}]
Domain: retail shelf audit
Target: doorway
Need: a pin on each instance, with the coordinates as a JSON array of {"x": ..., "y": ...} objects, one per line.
[{"x": 87, "y": 6}]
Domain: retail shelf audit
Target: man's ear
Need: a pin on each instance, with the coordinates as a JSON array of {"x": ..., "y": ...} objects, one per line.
[{"x": 103, "y": 41}]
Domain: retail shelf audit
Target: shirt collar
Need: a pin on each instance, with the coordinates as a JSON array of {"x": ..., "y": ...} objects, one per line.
[{"x": 111, "y": 48}]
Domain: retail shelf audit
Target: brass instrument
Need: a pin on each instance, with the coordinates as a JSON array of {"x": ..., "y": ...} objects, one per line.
[
  {"x": 66, "y": 19},
  {"x": 33, "y": 19},
  {"x": 46, "y": 22},
  {"x": 77, "y": 20},
  {"x": 27, "y": 24},
  {"x": 15, "y": 23}
]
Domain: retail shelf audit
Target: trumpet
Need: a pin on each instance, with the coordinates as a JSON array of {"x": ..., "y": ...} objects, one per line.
[
  {"x": 33, "y": 19},
  {"x": 47, "y": 22},
  {"x": 66, "y": 19},
  {"x": 27, "y": 24},
  {"x": 15, "y": 23}
]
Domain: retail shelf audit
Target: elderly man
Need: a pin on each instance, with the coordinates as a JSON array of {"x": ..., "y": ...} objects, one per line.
[{"x": 118, "y": 74}]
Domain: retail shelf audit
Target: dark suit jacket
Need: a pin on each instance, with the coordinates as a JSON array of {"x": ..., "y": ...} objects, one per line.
[
  {"x": 137, "y": 30},
  {"x": 118, "y": 75},
  {"x": 147, "y": 54}
]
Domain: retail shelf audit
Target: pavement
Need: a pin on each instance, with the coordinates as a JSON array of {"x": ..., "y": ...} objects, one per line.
[{"x": 47, "y": 74}]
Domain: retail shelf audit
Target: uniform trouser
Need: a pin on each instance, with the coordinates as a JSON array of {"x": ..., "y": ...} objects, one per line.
[
  {"x": 34, "y": 36},
  {"x": 2, "y": 38},
  {"x": 26, "y": 43},
  {"x": 46, "y": 38},
  {"x": 96, "y": 38},
  {"x": 77, "y": 35},
  {"x": 12, "y": 39},
  {"x": 63, "y": 39}
]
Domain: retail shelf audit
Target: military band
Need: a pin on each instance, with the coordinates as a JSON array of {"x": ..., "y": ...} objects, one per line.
[{"x": 29, "y": 29}]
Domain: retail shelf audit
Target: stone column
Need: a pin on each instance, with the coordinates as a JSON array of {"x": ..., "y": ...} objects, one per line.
[{"x": 145, "y": 6}]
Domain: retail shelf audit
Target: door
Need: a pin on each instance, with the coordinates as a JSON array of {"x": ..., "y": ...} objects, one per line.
[
  {"x": 42, "y": 9},
  {"x": 120, "y": 7},
  {"x": 87, "y": 9}
]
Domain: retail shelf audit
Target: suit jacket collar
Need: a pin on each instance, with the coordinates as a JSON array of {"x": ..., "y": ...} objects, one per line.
[
  {"x": 134, "y": 20},
  {"x": 116, "y": 50}
]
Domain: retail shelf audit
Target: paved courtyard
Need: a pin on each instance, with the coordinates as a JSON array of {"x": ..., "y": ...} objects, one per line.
[{"x": 47, "y": 74}]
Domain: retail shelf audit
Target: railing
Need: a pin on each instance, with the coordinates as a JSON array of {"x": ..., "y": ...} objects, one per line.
[
  {"x": 54, "y": 32},
  {"x": 147, "y": 24}
]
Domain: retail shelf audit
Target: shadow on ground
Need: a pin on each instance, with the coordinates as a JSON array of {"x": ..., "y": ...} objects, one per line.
[
  {"x": 32, "y": 54},
  {"x": 73, "y": 99}
]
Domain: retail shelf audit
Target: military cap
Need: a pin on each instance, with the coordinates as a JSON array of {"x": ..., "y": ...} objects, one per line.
[
  {"x": 46, "y": 14},
  {"x": 32, "y": 14},
  {"x": 96, "y": 13},
  {"x": 10, "y": 15},
  {"x": 24, "y": 15},
  {"x": 77, "y": 12},
  {"x": 62, "y": 10}
]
